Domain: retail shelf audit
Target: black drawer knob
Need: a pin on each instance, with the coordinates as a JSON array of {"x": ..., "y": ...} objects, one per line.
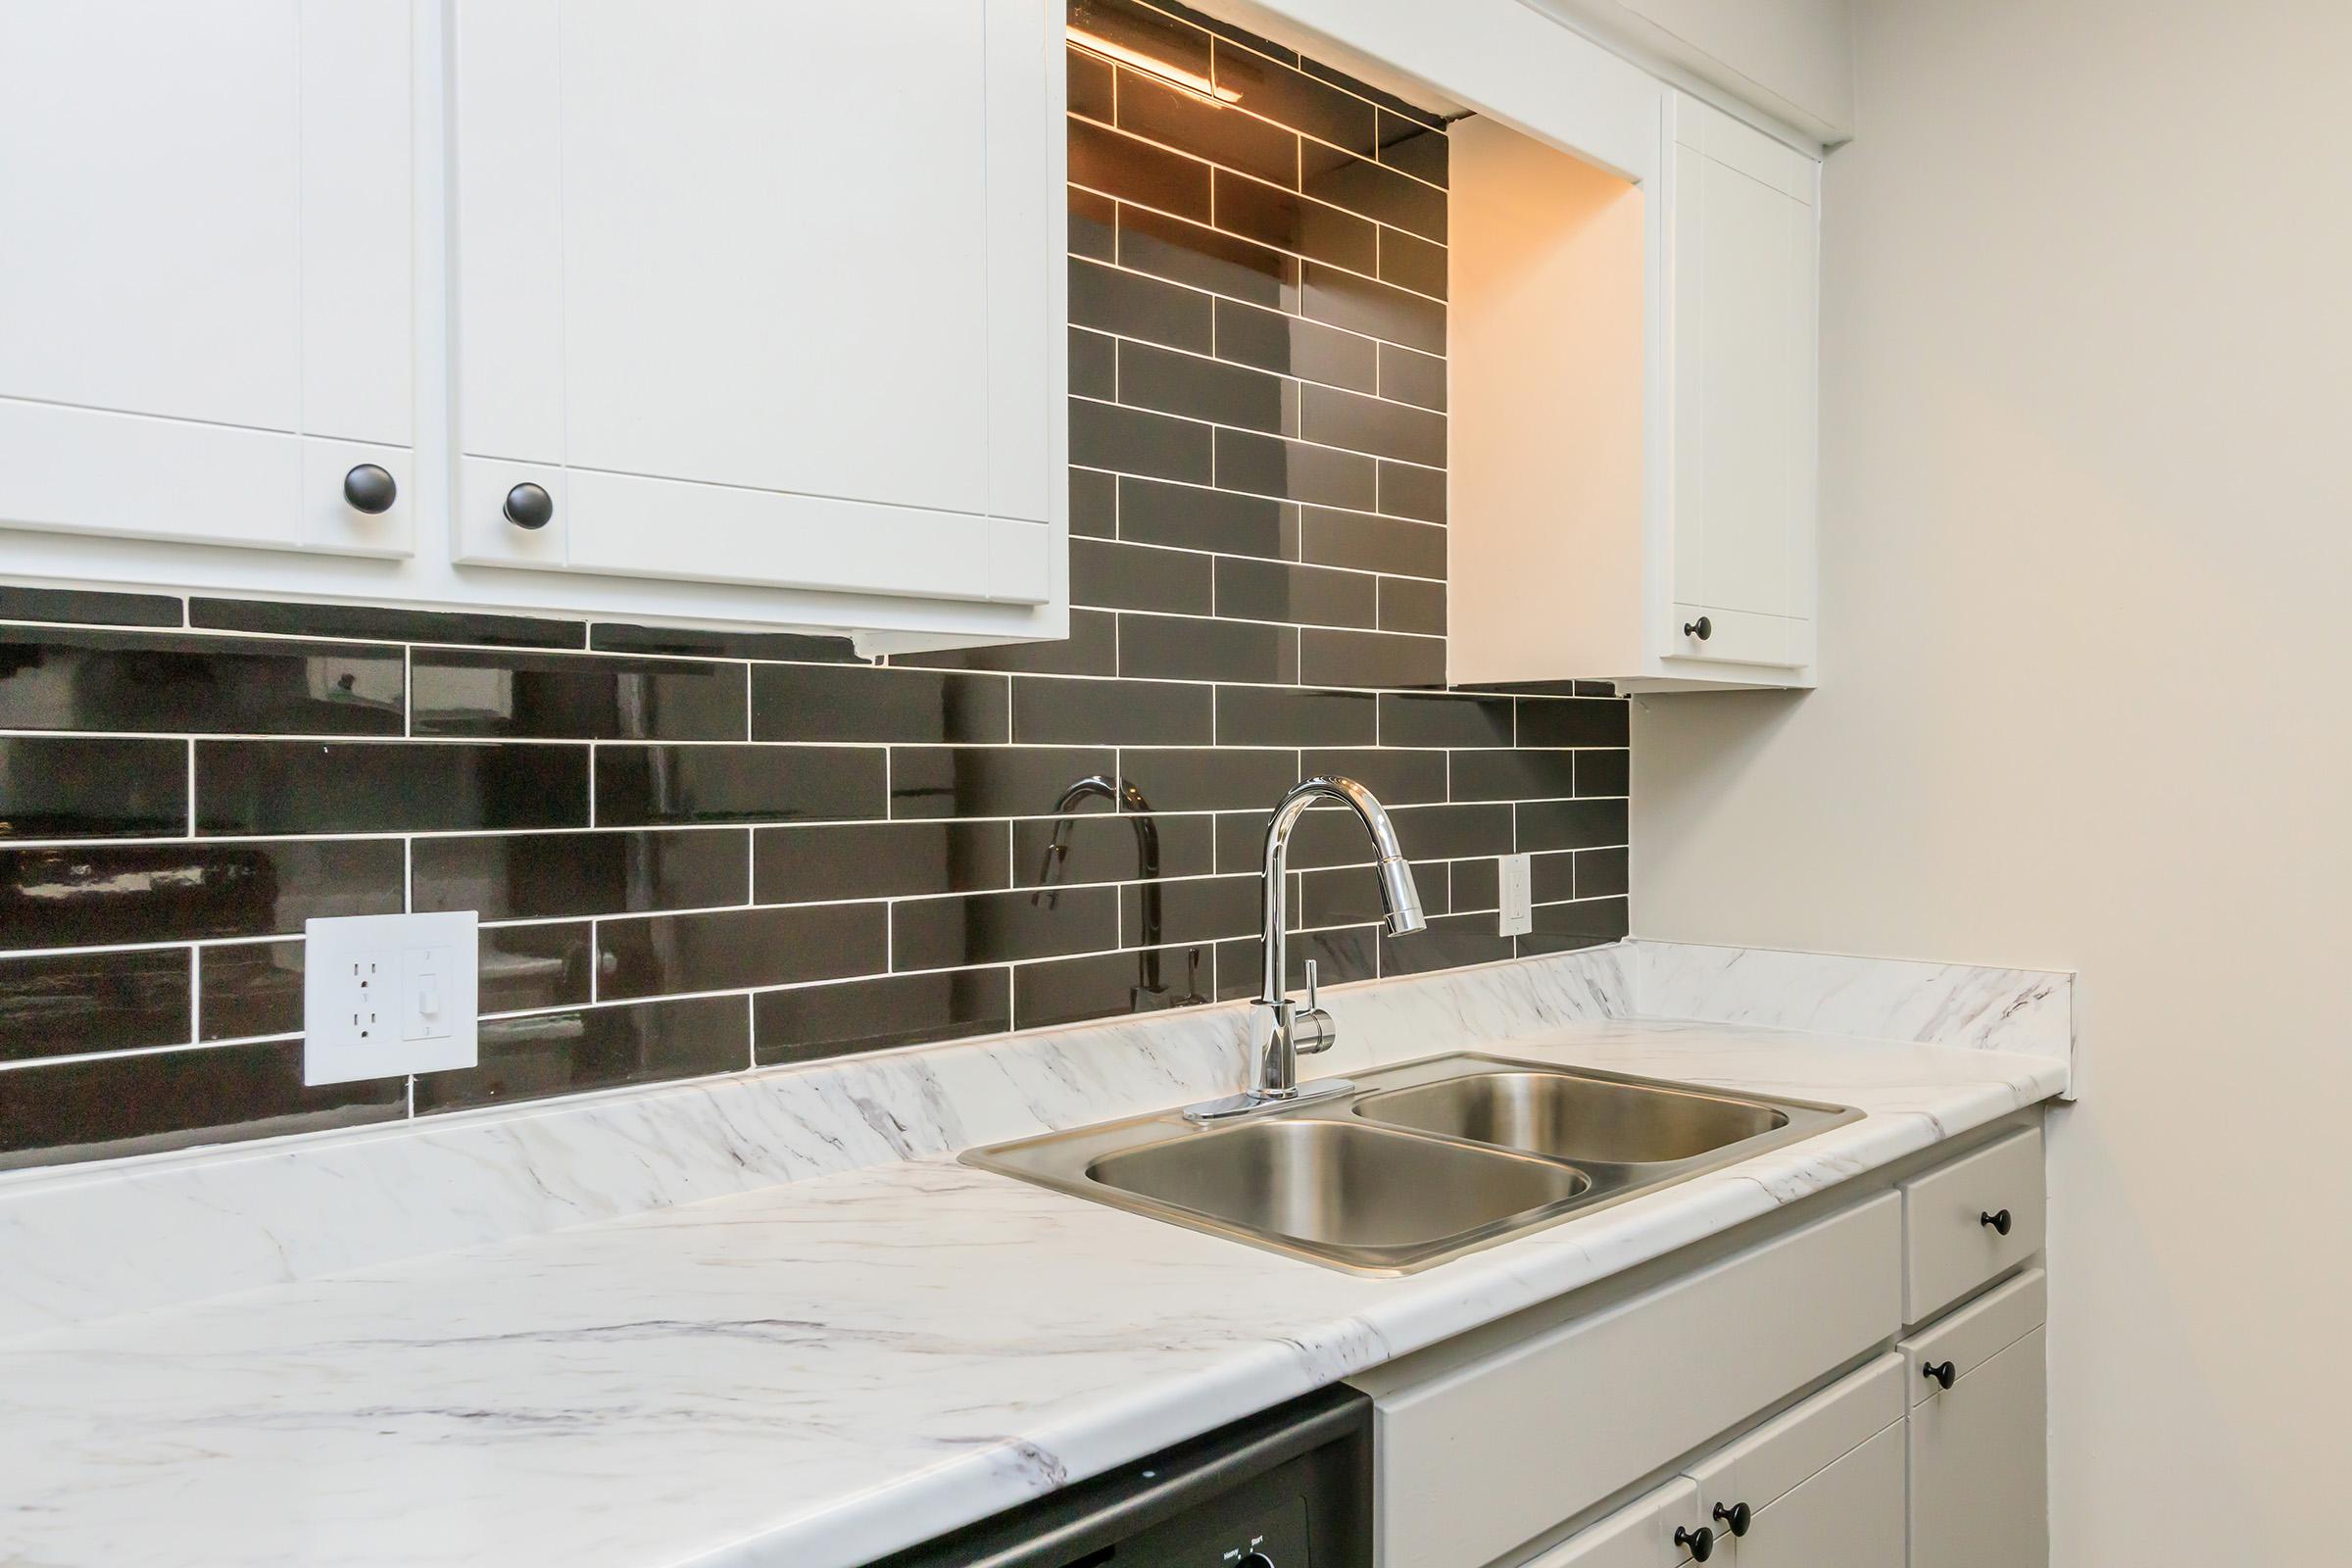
[
  {"x": 529, "y": 506},
  {"x": 1702, "y": 629},
  {"x": 1701, "y": 1542},
  {"x": 2000, "y": 1222},
  {"x": 1737, "y": 1518},
  {"x": 1940, "y": 1373},
  {"x": 370, "y": 488}
]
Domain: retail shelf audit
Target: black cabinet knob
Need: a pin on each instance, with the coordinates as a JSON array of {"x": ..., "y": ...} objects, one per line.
[
  {"x": 1701, "y": 1542},
  {"x": 529, "y": 506},
  {"x": 1737, "y": 1518},
  {"x": 370, "y": 488},
  {"x": 1702, "y": 629},
  {"x": 1999, "y": 1222},
  {"x": 1940, "y": 1373}
]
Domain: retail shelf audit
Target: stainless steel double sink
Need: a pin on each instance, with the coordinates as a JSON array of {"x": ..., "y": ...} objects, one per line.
[{"x": 1418, "y": 1163}]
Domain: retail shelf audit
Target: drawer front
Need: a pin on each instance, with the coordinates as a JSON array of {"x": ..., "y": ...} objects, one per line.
[
  {"x": 1787, "y": 1452},
  {"x": 1975, "y": 1334},
  {"x": 1639, "y": 1535},
  {"x": 1739, "y": 637},
  {"x": 1480, "y": 1458},
  {"x": 1950, "y": 1247},
  {"x": 1849, "y": 1515},
  {"x": 1979, "y": 1466}
]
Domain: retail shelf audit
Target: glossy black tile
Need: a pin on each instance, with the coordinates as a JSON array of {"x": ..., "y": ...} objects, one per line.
[
  {"x": 1339, "y": 956},
  {"x": 878, "y": 860},
  {"x": 1141, "y": 30},
  {"x": 1136, "y": 846},
  {"x": 1268, "y": 465},
  {"x": 1372, "y": 544},
  {"x": 1196, "y": 518},
  {"x": 1365, "y": 90},
  {"x": 1574, "y": 721},
  {"x": 1131, "y": 305},
  {"x": 1274, "y": 590},
  {"x": 1094, "y": 365},
  {"x": 1291, "y": 221},
  {"x": 522, "y": 968},
  {"x": 1102, "y": 712},
  {"x": 1195, "y": 909},
  {"x": 183, "y": 683},
  {"x": 1451, "y": 832},
  {"x": 1181, "y": 649},
  {"x": 1411, "y": 376},
  {"x": 1136, "y": 171},
  {"x": 250, "y": 989},
  {"x": 1290, "y": 345},
  {"x": 1412, "y": 263},
  {"x": 1412, "y": 146},
  {"x": 809, "y": 648},
  {"x": 1448, "y": 720},
  {"x": 74, "y": 607},
  {"x": 1090, "y": 85},
  {"x": 1227, "y": 31},
  {"x": 730, "y": 949},
  {"x": 80, "y": 787},
  {"x": 1329, "y": 657},
  {"x": 1222, "y": 779},
  {"x": 642, "y": 786},
  {"x": 115, "y": 1106},
  {"x": 383, "y": 624},
  {"x": 1552, "y": 875},
  {"x": 1091, "y": 649},
  {"x": 1112, "y": 985},
  {"x": 71, "y": 1004},
  {"x": 1093, "y": 225},
  {"x": 808, "y": 1023},
  {"x": 271, "y": 787},
  {"x": 1603, "y": 773},
  {"x": 1475, "y": 885},
  {"x": 1293, "y": 98},
  {"x": 1400, "y": 777},
  {"x": 1449, "y": 943},
  {"x": 1409, "y": 604},
  {"x": 1274, "y": 716},
  {"x": 1600, "y": 873},
  {"x": 1371, "y": 424},
  {"x": 90, "y": 895},
  {"x": 1189, "y": 122},
  {"x": 574, "y": 697},
  {"x": 541, "y": 875},
  {"x": 1409, "y": 491},
  {"x": 808, "y": 703},
  {"x": 935, "y": 781},
  {"x": 1518, "y": 774},
  {"x": 595, "y": 1048},
  {"x": 1350, "y": 895},
  {"x": 1379, "y": 193},
  {"x": 1134, "y": 576},
  {"x": 1589, "y": 922},
  {"x": 1105, "y": 435},
  {"x": 1200, "y": 257},
  {"x": 1094, "y": 504},
  {"x": 1198, "y": 388},
  {"x": 1571, "y": 824},
  {"x": 1374, "y": 309},
  {"x": 1001, "y": 927}
]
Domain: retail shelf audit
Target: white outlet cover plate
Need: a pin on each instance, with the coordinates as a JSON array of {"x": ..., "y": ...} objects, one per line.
[
  {"x": 388, "y": 995},
  {"x": 1517, "y": 877}
]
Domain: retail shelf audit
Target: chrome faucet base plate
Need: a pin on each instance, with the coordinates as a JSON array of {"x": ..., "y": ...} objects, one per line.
[{"x": 1249, "y": 1102}]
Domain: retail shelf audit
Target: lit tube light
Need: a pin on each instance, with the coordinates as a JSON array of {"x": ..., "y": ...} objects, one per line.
[{"x": 1137, "y": 60}]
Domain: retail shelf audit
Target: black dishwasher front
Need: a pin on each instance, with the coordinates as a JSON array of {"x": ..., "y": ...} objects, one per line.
[{"x": 1290, "y": 1488}]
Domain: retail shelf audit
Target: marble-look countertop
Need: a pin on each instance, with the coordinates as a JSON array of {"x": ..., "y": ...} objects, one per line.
[{"x": 818, "y": 1373}]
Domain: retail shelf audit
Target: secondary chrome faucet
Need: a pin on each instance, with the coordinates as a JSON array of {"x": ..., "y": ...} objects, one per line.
[{"x": 1290, "y": 1031}]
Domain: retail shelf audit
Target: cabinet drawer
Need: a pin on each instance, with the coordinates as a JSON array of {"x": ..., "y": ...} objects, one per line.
[
  {"x": 1481, "y": 1457},
  {"x": 1849, "y": 1515},
  {"x": 1978, "y": 1452},
  {"x": 1740, "y": 637},
  {"x": 1787, "y": 1452},
  {"x": 1639, "y": 1535},
  {"x": 1950, "y": 1244},
  {"x": 1975, "y": 1334}
]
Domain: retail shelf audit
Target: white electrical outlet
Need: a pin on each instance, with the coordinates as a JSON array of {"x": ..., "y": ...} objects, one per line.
[
  {"x": 1518, "y": 879},
  {"x": 387, "y": 995}
]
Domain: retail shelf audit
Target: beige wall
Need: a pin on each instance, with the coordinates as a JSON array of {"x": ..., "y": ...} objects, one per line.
[{"x": 2086, "y": 596}]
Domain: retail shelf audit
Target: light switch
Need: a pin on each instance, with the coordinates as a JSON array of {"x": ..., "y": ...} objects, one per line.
[
  {"x": 388, "y": 995},
  {"x": 1517, "y": 880}
]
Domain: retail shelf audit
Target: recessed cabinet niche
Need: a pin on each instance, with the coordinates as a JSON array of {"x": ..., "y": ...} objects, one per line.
[{"x": 728, "y": 313}]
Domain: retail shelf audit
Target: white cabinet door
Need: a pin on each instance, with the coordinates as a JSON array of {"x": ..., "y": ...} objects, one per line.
[
  {"x": 762, "y": 291},
  {"x": 1980, "y": 1466},
  {"x": 1744, "y": 263},
  {"x": 1639, "y": 1535},
  {"x": 206, "y": 282},
  {"x": 1850, "y": 1515}
]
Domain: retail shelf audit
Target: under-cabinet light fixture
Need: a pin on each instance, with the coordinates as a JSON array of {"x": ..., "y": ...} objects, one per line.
[{"x": 1136, "y": 59}]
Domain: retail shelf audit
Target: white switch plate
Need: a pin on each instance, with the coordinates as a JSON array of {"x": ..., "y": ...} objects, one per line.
[
  {"x": 388, "y": 995},
  {"x": 1518, "y": 880}
]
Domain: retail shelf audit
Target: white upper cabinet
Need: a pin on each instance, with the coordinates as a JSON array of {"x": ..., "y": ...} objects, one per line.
[
  {"x": 761, "y": 293},
  {"x": 207, "y": 282}
]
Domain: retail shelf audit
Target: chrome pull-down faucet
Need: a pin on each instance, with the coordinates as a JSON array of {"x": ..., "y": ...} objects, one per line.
[{"x": 1282, "y": 1031}]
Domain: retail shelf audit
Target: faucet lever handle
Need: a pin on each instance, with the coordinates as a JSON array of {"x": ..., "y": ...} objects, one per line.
[{"x": 1310, "y": 985}]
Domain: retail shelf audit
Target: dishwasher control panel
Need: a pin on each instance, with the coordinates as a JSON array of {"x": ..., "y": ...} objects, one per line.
[{"x": 1271, "y": 1534}]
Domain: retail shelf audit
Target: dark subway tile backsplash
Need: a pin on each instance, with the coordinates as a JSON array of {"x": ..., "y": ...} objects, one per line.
[{"x": 698, "y": 850}]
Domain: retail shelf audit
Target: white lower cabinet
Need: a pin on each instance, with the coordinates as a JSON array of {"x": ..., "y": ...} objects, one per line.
[
  {"x": 1979, "y": 1462},
  {"x": 1819, "y": 1487},
  {"x": 1653, "y": 1530}
]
